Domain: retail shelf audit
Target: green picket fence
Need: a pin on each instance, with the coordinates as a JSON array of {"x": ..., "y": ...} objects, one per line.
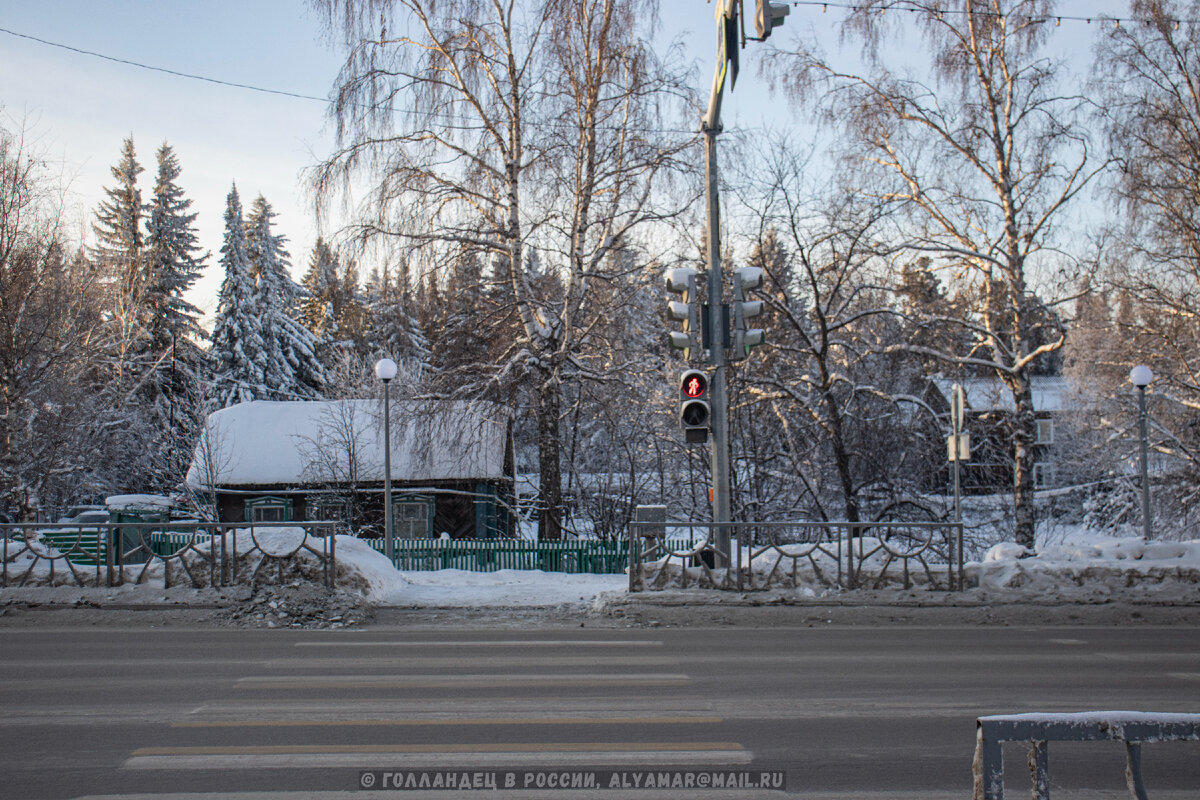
[{"x": 488, "y": 555}]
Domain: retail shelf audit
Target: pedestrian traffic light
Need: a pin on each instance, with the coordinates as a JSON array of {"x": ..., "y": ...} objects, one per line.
[
  {"x": 744, "y": 338},
  {"x": 682, "y": 281},
  {"x": 695, "y": 415},
  {"x": 767, "y": 16}
]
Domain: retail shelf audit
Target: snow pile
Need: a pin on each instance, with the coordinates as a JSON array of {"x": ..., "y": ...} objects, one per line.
[
  {"x": 506, "y": 588},
  {"x": 1099, "y": 567}
]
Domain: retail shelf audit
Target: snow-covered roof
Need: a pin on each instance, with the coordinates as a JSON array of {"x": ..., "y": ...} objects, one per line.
[
  {"x": 290, "y": 443},
  {"x": 138, "y": 501},
  {"x": 990, "y": 394}
]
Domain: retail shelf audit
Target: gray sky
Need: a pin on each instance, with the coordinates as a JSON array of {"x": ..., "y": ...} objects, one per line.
[{"x": 79, "y": 108}]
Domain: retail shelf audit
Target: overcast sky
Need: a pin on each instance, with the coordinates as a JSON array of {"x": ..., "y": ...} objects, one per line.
[{"x": 79, "y": 108}]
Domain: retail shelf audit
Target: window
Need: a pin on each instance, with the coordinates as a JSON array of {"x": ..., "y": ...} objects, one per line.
[
  {"x": 268, "y": 509},
  {"x": 411, "y": 518},
  {"x": 328, "y": 510},
  {"x": 1043, "y": 475},
  {"x": 1045, "y": 431}
]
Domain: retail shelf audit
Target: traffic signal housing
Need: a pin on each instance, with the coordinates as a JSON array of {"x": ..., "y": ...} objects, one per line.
[
  {"x": 746, "y": 279},
  {"x": 768, "y": 16},
  {"x": 683, "y": 282},
  {"x": 695, "y": 415}
]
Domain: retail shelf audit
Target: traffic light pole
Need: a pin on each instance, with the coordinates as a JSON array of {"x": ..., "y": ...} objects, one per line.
[{"x": 716, "y": 322}]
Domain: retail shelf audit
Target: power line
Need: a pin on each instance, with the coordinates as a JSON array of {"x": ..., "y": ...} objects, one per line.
[
  {"x": 164, "y": 70},
  {"x": 1057, "y": 19},
  {"x": 324, "y": 101}
]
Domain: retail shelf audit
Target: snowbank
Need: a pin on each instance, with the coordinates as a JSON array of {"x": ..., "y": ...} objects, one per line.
[{"x": 1098, "y": 567}]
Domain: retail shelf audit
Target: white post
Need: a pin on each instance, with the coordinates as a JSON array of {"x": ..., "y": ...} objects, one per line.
[{"x": 385, "y": 369}]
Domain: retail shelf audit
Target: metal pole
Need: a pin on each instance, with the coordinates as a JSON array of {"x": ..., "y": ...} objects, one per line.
[
  {"x": 1145, "y": 468},
  {"x": 387, "y": 475},
  {"x": 716, "y": 328},
  {"x": 957, "y": 504}
]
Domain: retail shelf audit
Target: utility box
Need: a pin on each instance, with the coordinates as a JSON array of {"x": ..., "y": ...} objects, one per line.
[{"x": 132, "y": 544}]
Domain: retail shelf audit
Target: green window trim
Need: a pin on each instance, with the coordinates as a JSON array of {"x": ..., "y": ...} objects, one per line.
[{"x": 269, "y": 509}]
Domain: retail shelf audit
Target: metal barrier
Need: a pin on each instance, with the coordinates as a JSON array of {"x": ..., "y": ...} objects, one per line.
[
  {"x": 768, "y": 555},
  {"x": 208, "y": 554},
  {"x": 1132, "y": 728}
]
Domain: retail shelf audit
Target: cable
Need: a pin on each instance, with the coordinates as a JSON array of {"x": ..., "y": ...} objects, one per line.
[
  {"x": 176, "y": 73},
  {"x": 297, "y": 95},
  {"x": 1055, "y": 18}
]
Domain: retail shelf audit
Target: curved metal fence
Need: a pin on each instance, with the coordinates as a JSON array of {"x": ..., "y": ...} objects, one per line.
[
  {"x": 199, "y": 554},
  {"x": 770, "y": 555}
]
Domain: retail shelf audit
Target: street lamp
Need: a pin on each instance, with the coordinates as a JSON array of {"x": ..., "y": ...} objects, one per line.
[
  {"x": 1140, "y": 376},
  {"x": 385, "y": 370}
]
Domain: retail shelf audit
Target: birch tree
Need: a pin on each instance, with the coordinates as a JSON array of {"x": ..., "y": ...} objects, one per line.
[
  {"x": 520, "y": 130},
  {"x": 1151, "y": 93},
  {"x": 983, "y": 162}
]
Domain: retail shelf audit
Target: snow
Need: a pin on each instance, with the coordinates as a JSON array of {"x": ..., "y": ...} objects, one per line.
[
  {"x": 989, "y": 394},
  {"x": 138, "y": 501},
  {"x": 270, "y": 443},
  {"x": 1084, "y": 569}
]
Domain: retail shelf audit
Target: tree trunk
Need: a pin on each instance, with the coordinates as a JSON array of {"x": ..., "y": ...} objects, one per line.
[
  {"x": 1024, "y": 435},
  {"x": 549, "y": 461}
]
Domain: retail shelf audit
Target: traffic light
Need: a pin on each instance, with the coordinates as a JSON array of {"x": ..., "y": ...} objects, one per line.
[
  {"x": 767, "y": 16},
  {"x": 745, "y": 279},
  {"x": 695, "y": 415},
  {"x": 682, "y": 281}
]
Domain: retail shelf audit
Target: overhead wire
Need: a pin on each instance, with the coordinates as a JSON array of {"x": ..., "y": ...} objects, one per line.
[{"x": 295, "y": 95}]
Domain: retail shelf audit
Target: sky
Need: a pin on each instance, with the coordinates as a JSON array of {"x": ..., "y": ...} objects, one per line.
[{"x": 77, "y": 109}]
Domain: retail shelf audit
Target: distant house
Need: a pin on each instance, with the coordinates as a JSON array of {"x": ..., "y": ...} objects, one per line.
[
  {"x": 451, "y": 465},
  {"x": 989, "y": 409}
]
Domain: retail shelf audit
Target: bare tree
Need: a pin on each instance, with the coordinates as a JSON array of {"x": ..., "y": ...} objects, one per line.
[
  {"x": 337, "y": 454},
  {"x": 212, "y": 461},
  {"x": 1151, "y": 94},
  {"x": 983, "y": 164},
  {"x": 49, "y": 325},
  {"x": 826, "y": 394},
  {"x": 523, "y": 131}
]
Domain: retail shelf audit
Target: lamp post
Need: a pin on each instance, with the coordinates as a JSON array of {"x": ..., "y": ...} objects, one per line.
[
  {"x": 1140, "y": 376},
  {"x": 385, "y": 370}
]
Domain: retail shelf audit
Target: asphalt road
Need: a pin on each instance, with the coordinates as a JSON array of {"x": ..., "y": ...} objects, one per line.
[{"x": 842, "y": 712}]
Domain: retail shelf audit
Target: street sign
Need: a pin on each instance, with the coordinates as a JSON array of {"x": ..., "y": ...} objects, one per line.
[
  {"x": 958, "y": 402},
  {"x": 963, "y": 451}
]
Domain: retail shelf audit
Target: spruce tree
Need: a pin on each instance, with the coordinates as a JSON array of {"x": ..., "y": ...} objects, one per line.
[
  {"x": 120, "y": 260},
  {"x": 174, "y": 260},
  {"x": 293, "y": 369},
  {"x": 173, "y": 263},
  {"x": 238, "y": 355}
]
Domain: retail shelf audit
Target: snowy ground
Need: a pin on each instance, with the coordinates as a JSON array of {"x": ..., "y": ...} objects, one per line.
[{"x": 1081, "y": 570}]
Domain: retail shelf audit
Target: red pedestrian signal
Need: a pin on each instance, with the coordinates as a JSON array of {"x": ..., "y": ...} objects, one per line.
[{"x": 695, "y": 416}]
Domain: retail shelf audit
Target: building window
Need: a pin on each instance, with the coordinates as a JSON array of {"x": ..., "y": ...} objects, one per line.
[
  {"x": 269, "y": 509},
  {"x": 328, "y": 510},
  {"x": 1045, "y": 431},
  {"x": 411, "y": 518},
  {"x": 1043, "y": 475}
]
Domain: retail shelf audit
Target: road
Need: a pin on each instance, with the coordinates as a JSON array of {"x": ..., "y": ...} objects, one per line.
[{"x": 844, "y": 712}]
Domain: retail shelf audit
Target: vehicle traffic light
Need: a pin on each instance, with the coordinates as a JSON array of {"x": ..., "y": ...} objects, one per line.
[
  {"x": 768, "y": 16},
  {"x": 745, "y": 279},
  {"x": 695, "y": 416},
  {"x": 682, "y": 281}
]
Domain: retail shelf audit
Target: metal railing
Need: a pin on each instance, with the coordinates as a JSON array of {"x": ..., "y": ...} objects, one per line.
[
  {"x": 206, "y": 554},
  {"x": 1132, "y": 728},
  {"x": 767, "y": 555}
]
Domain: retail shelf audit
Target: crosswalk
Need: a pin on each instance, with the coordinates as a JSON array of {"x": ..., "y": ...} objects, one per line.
[{"x": 466, "y": 704}]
